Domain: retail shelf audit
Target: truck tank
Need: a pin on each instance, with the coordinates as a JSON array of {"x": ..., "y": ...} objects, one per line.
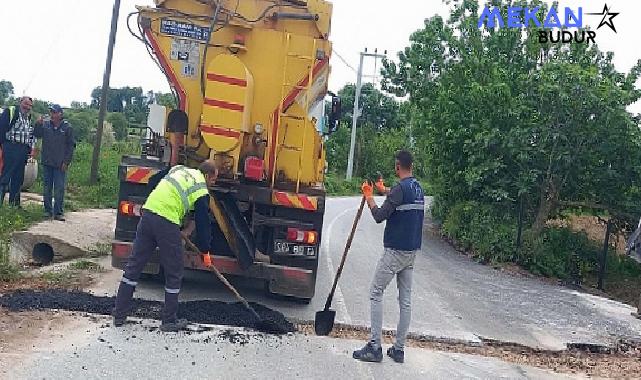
[{"x": 250, "y": 75}]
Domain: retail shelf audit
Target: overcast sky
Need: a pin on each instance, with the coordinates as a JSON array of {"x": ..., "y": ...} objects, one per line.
[{"x": 56, "y": 49}]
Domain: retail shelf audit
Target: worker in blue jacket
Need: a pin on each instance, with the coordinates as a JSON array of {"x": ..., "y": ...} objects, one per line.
[{"x": 403, "y": 210}]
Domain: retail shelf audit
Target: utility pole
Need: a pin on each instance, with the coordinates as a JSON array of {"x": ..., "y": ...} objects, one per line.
[
  {"x": 103, "y": 95},
  {"x": 352, "y": 144},
  {"x": 356, "y": 113}
]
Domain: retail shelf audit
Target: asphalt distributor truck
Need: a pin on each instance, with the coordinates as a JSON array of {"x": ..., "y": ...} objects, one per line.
[{"x": 251, "y": 78}]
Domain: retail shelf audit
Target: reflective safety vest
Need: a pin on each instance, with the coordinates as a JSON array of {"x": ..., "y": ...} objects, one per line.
[
  {"x": 12, "y": 113},
  {"x": 177, "y": 193}
]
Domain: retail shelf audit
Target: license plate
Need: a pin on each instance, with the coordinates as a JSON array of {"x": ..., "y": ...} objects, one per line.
[{"x": 283, "y": 247}]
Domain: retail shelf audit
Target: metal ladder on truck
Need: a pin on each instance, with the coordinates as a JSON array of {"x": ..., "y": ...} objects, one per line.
[{"x": 283, "y": 109}]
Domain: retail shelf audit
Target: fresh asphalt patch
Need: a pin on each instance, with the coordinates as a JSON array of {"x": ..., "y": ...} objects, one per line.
[{"x": 205, "y": 312}]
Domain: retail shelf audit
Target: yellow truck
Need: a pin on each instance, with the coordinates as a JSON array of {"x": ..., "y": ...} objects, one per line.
[{"x": 251, "y": 77}]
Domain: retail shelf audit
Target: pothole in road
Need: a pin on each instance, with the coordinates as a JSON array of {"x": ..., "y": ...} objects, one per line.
[{"x": 205, "y": 312}]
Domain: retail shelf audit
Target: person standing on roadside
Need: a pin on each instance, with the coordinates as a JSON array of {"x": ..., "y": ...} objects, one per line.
[
  {"x": 58, "y": 145},
  {"x": 404, "y": 211},
  {"x": 16, "y": 137}
]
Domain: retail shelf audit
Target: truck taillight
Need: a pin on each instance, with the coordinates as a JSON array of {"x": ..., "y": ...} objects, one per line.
[
  {"x": 129, "y": 208},
  {"x": 301, "y": 236}
]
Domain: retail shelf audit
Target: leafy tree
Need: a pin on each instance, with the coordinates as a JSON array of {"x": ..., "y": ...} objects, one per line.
[
  {"x": 131, "y": 101},
  {"x": 378, "y": 109},
  {"x": 83, "y": 121},
  {"x": 164, "y": 99},
  {"x": 40, "y": 107},
  {"x": 6, "y": 91},
  {"x": 500, "y": 117},
  {"x": 79, "y": 105},
  {"x": 381, "y": 131},
  {"x": 119, "y": 124}
]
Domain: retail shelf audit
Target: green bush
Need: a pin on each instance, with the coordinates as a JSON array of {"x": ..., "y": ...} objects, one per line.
[
  {"x": 622, "y": 266},
  {"x": 339, "y": 186},
  {"x": 489, "y": 233},
  {"x": 561, "y": 253}
]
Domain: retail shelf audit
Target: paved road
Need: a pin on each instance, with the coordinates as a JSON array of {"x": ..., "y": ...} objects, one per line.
[
  {"x": 81, "y": 349},
  {"x": 453, "y": 297}
]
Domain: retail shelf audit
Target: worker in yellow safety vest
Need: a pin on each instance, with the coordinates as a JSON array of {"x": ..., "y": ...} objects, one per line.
[{"x": 181, "y": 190}]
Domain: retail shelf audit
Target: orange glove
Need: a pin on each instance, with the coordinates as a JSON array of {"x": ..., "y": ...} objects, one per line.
[
  {"x": 367, "y": 189},
  {"x": 380, "y": 185},
  {"x": 206, "y": 258}
]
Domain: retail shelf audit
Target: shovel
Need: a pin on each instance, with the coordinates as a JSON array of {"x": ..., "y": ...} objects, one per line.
[
  {"x": 262, "y": 324},
  {"x": 324, "y": 321}
]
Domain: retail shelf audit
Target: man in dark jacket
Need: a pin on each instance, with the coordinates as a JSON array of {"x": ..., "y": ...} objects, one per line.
[
  {"x": 16, "y": 136},
  {"x": 404, "y": 211},
  {"x": 58, "y": 145}
]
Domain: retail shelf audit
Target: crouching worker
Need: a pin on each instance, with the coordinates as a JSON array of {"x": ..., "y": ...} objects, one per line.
[{"x": 183, "y": 189}]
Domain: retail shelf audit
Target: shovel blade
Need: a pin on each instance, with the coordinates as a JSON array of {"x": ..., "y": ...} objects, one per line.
[{"x": 324, "y": 322}]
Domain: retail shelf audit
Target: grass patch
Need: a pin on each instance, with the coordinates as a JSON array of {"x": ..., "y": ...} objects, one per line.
[
  {"x": 58, "y": 277},
  {"x": 86, "y": 265},
  {"x": 339, "y": 186},
  {"x": 100, "y": 250},
  {"x": 8, "y": 271},
  {"x": 79, "y": 193}
]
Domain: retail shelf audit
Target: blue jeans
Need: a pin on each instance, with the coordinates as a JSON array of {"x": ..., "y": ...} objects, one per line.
[
  {"x": 54, "y": 183},
  {"x": 15, "y": 159}
]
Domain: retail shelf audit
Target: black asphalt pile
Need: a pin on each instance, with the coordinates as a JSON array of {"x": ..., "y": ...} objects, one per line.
[{"x": 208, "y": 312}]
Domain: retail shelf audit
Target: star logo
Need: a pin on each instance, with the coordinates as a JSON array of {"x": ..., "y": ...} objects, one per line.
[{"x": 607, "y": 18}]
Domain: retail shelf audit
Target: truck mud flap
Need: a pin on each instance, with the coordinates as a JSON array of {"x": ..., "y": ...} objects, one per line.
[{"x": 234, "y": 227}]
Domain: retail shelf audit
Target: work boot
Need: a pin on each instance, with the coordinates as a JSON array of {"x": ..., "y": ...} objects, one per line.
[
  {"x": 369, "y": 353},
  {"x": 397, "y": 355},
  {"x": 177, "y": 325},
  {"x": 59, "y": 218},
  {"x": 47, "y": 215}
]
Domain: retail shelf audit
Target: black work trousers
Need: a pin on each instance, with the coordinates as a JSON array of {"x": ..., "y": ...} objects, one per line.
[
  {"x": 12, "y": 178},
  {"x": 153, "y": 231}
]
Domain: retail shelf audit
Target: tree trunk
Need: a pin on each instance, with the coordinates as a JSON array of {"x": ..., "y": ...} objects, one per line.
[{"x": 547, "y": 204}]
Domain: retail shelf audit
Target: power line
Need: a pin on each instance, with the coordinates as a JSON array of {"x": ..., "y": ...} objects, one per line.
[{"x": 345, "y": 61}]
